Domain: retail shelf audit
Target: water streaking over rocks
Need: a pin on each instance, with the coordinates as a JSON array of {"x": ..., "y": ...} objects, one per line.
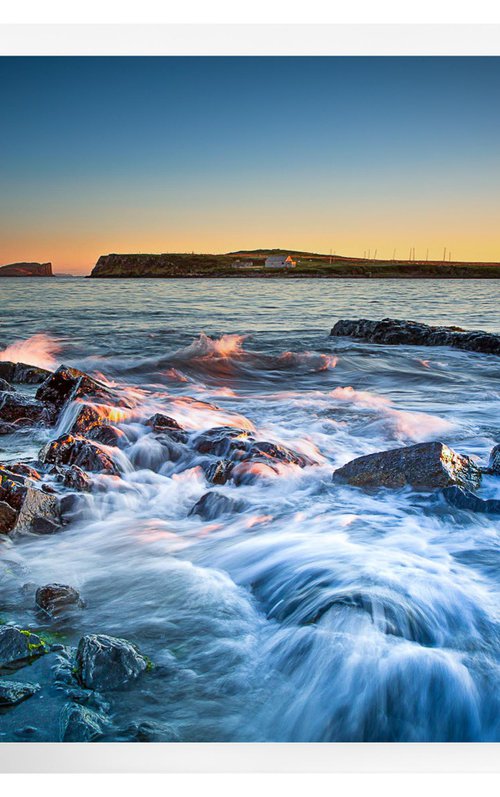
[{"x": 220, "y": 523}]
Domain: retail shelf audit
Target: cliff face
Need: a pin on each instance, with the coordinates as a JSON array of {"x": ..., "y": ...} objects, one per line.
[
  {"x": 26, "y": 270},
  {"x": 166, "y": 265}
]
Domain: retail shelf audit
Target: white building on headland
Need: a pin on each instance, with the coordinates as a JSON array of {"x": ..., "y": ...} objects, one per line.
[
  {"x": 242, "y": 264},
  {"x": 280, "y": 261}
]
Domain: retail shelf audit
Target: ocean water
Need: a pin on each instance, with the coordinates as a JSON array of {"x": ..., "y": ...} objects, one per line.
[{"x": 318, "y": 612}]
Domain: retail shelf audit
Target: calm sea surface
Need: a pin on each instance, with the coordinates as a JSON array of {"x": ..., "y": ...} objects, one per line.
[{"x": 316, "y": 613}]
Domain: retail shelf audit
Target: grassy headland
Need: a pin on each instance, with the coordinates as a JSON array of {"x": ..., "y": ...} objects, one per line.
[{"x": 309, "y": 264}]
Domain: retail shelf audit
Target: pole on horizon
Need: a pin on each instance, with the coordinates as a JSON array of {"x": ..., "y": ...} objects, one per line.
[
  {"x": 394, "y": 254},
  {"x": 427, "y": 255},
  {"x": 444, "y": 255}
]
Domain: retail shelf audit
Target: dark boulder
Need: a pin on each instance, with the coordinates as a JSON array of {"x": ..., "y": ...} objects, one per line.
[
  {"x": 213, "y": 504},
  {"x": 218, "y": 472},
  {"x": 70, "y": 450},
  {"x": 494, "y": 463},
  {"x": 6, "y": 387},
  {"x": 40, "y": 512},
  {"x": 393, "y": 331},
  {"x": 7, "y": 428},
  {"x": 464, "y": 499},
  {"x": 161, "y": 423},
  {"x": 21, "y": 373},
  {"x": 106, "y": 662},
  {"x": 80, "y": 724},
  {"x": 223, "y": 441},
  {"x": 69, "y": 384},
  {"x": 55, "y": 599},
  {"x": 16, "y": 644},
  {"x": 87, "y": 418},
  {"x": 23, "y": 469},
  {"x": 74, "y": 507},
  {"x": 13, "y": 488},
  {"x": 276, "y": 453},
  {"x": 422, "y": 466},
  {"x": 106, "y": 434},
  {"x": 73, "y": 477},
  {"x": 13, "y": 692},
  {"x": 8, "y": 517},
  {"x": 23, "y": 411}
]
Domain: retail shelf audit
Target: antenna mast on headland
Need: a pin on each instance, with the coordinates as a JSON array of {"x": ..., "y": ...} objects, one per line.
[{"x": 444, "y": 255}]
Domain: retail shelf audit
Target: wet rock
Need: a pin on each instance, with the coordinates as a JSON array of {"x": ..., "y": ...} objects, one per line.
[
  {"x": 80, "y": 724},
  {"x": 12, "y": 488},
  {"x": 73, "y": 477},
  {"x": 494, "y": 463},
  {"x": 55, "y": 599},
  {"x": 86, "y": 419},
  {"x": 162, "y": 423},
  {"x": 23, "y": 469},
  {"x": 7, "y": 428},
  {"x": 16, "y": 644},
  {"x": 106, "y": 434},
  {"x": 464, "y": 499},
  {"x": 394, "y": 331},
  {"x": 252, "y": 471},
  {"x": 151, "y": 732},
  {"x": 223, "y": 441},
  {"x": 40, "y": 512},
  {"x": 106, "y": 662},
  {"x": 277, "y": 453},
  {"x": 6, "y": 387},
  {"x": 218, "y": 472},
  {"x": 8, "y": 517},
  {"x": 13, "y": 692},
  {"x": 422, "y": 466},
  {"x": 69, "y": 384},
  {"x": 21, "y": 373},
  {"x": 213, "y": 504},
  {"x": 23, "y": 411},
  {"x": 70, "y": 450},
  {"x": 74, "y": 507}
]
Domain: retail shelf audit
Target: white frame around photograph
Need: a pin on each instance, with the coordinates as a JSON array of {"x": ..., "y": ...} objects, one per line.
[{"x": 250, "y": 40}]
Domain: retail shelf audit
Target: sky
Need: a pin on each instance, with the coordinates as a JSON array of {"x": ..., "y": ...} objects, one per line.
[{"x": 215, "y": 154}]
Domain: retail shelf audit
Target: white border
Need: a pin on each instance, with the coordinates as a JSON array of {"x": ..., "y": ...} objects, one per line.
[
  {"x": 250, "y": 39},
  {"x": 201, "y": 757}
]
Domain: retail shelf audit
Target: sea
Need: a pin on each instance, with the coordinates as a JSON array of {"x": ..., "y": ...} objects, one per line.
[{"x": 317, "y": 612}]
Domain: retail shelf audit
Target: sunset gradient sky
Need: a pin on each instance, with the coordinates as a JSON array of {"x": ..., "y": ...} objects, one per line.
[{"x": 132, "y": 154}]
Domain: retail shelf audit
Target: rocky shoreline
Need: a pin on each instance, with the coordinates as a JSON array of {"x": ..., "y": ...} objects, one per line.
[{"x": 44, "y": 495}]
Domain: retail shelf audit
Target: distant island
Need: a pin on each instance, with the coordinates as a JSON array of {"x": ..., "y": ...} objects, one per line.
[
  {"x": 26, "y": 270},
  {"x": 282, "y": 264}
]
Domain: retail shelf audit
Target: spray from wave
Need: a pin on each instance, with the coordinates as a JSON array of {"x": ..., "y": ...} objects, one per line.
[{"x": 39, "y": 350}]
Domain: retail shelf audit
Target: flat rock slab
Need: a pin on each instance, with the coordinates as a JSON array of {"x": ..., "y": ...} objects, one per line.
[
  {"x": 12, "y": 692},
  {"x": 106, "y": 662},
  {"x": 423, "y": 466},
  {"x": 392, "y": 331}
]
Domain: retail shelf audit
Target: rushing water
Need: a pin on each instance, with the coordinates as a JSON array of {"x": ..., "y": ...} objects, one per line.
[{"x": 319, "y": 612}]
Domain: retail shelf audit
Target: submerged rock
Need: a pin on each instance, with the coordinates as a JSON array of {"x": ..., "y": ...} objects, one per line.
[
  {"x": 7, "y": 428},
  {"x": 57, "y": 598},
  {"x": 213, "y": 504},
  {"x": 21, "y": 373},
  {"x": 23, "y": 411},
  {"x": 80, "y": 724},
  {"x": 422, "y": 466},
  {"x": 70, "y": 450},
  {"x": 464, "y": 499},
  {"x": 16, "y": 644},
  {"x": 13, "y": 692},
  {"x": 393, "y": 331},
  {"x": 106, "y": 662}
]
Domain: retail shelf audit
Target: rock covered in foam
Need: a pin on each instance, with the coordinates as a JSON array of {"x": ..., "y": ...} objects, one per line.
[{"x": 422, "y": 466}]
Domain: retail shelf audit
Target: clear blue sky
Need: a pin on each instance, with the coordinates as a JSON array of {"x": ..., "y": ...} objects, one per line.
[{"x": 213, "y": 154}]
